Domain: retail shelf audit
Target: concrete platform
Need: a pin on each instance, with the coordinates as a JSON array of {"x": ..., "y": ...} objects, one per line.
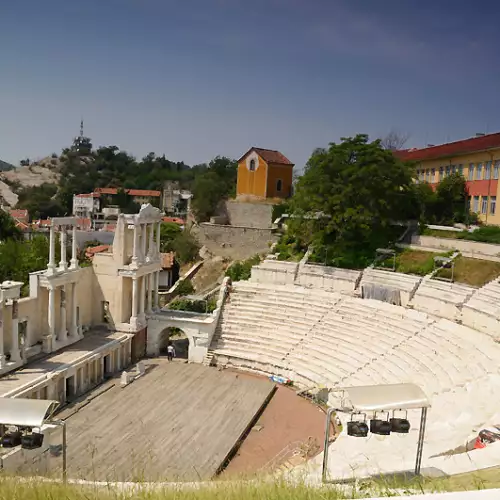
[{"x": 177, "y": 422}]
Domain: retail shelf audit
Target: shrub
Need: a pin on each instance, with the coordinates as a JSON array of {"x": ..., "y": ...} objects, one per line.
[
  {"x": 242, "y": 270},
  {"x": 185, "y": 287},
  {"x": 290, "y": 248}
]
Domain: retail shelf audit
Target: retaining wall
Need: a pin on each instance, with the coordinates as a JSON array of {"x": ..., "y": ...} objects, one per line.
[{"x": 466, "y": 247}]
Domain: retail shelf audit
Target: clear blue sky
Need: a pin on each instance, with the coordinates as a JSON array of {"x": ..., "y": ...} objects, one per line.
[{"x": 197, "y": 78}]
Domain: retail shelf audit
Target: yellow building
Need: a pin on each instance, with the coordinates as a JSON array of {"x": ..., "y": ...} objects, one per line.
[
  {"x": 477, "y": 159},
  {"x": 264, "y": 173}
]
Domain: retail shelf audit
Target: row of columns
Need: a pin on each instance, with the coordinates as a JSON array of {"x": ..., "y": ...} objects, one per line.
[
  {"x": 64, "y": 327},
  {"x": 146, "y": 249},
  {"x": 63, "y": 264},
  {"x": 145, "y": 297}
]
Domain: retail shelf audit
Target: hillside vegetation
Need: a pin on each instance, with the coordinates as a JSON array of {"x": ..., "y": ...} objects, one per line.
[{"x": 46, "y": 187}]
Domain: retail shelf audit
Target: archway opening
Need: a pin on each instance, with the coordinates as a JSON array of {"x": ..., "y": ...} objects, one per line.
[{"x": 177, "y": 338}]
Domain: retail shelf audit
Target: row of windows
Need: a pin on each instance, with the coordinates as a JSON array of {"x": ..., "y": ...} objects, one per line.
[
  {"x": 480, "y": 204},
  {"x": 476, "y": 172}
]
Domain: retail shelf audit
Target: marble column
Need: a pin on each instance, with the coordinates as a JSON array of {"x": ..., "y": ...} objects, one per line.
[
  {"x": 63, "y": 264},
  {"x": 15, "y": 354},
  {"x": 150, "y": 286},
  {"x": 143, "y": 241},
  {"x": 52, "y": 313},
  {"x": 2, "y": 352},
  {"x": 157, "y": 296},
  {"x": 158, "y": 238},
  {"x": 135, "y": 255},
  {"x": 151, "y": 247},
  {"x": 142, "y": 296},
  {"x": 135, "y": 297},
  {"x": 74, "y": 251},
  {"x": 52, "y": 251},
  {"x": 74, "y": 324},
  {"x": 63, "y": 316}
]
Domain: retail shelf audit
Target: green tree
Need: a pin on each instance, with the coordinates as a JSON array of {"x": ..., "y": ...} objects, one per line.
[
  {"x": 41, "y": 201},
  {"x": 8, "y": 227},
  {"x": 353, "y": 191},
  {"x": 186, "y": 247},
  {"x": 168, "y": 233},
  {"x": 213, "y": 185},
  {"x": 451, "y": 199}
]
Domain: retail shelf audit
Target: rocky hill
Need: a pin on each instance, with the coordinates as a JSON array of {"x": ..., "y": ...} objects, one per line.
[{"x": 43, "y": 171}]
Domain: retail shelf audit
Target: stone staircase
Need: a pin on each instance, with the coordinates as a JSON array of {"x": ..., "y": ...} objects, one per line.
[{"x": 208, "y": 359}]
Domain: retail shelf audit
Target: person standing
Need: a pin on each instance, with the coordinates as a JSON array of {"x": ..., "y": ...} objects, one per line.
[{"x": 170, "y": 352}]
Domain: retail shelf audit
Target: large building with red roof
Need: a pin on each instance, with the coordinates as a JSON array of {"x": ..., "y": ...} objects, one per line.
[
  {"x": 476, "y": 158},
  {"x": 264, "y": 173}
]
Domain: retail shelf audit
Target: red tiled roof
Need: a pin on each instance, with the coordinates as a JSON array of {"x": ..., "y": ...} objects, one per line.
[
  {"x": 131, "y": 192},
  {"x": 84, "y": 222},
  {"x": 482, "y": 143},
  {"x": 22, "y": 225},
  {"x": 91, "y": 251},
  {"x": 175, "y": 220},
  {"x": 18, "y": 213},
  {"x": 88, "y": 195},
  {"x": 42, "y": 222},
  {"x": 167, "y": 260},
  {"x": 270, "y": 156}
]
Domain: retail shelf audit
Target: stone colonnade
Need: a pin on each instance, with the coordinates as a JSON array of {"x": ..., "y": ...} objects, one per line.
[
  {"x": 146, "y": 250},
  {"x": 56, "y": 280}
]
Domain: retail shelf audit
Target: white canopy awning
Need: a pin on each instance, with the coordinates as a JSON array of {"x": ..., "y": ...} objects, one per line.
[
  {"x": 386, "y": 397},
  {"x": 26, "y": 412}
]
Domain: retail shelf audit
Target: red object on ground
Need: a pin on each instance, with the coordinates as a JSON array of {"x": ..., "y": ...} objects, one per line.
[{"x": 479, "y": 444}]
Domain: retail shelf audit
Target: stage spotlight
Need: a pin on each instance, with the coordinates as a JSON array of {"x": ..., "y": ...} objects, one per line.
[
  {"x": 357, "y": 428},
  {"x": 379, "y": 426},
  {"x": 400, "y": 425},
  {"x": 32, "y": 441},
  {"x": 11, "y": 439}
]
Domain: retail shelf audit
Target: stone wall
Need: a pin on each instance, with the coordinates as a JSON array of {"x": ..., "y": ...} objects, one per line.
[
  {"x": 466, "y": 247},
  {"x": 240, "y": 213},
  {"x": 235, "y": 242}
]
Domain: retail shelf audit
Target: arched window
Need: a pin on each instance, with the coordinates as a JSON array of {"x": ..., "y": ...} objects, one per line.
[
  {"x": 279, "y": 185},
  {"x": 252, "y": 165}
]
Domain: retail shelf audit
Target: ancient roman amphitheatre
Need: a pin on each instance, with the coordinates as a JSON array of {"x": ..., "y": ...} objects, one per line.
[{"x": 260, "y": 373}]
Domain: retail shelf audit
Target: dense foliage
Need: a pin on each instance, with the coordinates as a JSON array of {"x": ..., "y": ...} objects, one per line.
[
  {"x": 347, "y": 198},
  {"x": 185, "y": 287},
  {"x": 484, "y": 234},
  {"x": 216, "y": 183},
  {"x": 242, "y": 270},
  {"x": 182, "y": 242},
  {"x": 446, "y": 205},
  {"x": 82, "y": 170},
  {"x": 8, "y": 227},
  {"x": 199, "y": 306}
]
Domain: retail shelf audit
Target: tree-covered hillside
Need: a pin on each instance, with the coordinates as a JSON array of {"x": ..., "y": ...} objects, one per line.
[{"x": 81, "y": 171}]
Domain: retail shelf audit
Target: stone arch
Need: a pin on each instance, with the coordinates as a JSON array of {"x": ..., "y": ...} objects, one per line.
[{"x": 178, "y": 338}]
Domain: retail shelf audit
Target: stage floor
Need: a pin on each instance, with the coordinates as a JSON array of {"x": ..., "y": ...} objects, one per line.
[{"x": 178, "y": 422}]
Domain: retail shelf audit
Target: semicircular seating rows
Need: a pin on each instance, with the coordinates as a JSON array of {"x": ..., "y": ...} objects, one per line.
[{"x": 320, "y": 338}]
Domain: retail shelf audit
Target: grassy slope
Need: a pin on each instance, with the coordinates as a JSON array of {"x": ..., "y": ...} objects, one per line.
[{"x": 473, "y": 272}]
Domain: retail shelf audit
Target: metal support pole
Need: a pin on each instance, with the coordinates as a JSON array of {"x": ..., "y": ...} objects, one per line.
[
  {"x": 420, "y": 446},
  {"x": 327, "y": 439},
  {"x": 62, "y": 424}
]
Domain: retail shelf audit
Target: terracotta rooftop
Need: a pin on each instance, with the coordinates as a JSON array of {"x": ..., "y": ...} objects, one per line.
[
  {"x": 89, "y": 195},
  {"x": 131, "y": 192},
  {"x": 18, "y": 213},
  {"x": 175, "y": 220},
  {"x": 91, "y": 251},
  {"x": 270, "y": 156},
  {"x": 167, "y": 260},
  {"x": 474, "y": 144}
]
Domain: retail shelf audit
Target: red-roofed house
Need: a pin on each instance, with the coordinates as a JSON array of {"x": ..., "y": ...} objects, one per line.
[
  {"x": 138, "y": 195},
  {"x": 86, "y": 204},
  {"x": 19, "y": 215},
  {"x": 91, "y": 251},
  {"x": 477, "y": 159},
  {"x": 264, "y": 173}
]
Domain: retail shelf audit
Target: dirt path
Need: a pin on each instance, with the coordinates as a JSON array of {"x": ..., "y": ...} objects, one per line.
[{"x": 288, "y": 421}]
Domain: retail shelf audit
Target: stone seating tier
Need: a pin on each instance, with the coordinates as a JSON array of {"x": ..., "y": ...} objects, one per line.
[{"x": 406, "y": 282}]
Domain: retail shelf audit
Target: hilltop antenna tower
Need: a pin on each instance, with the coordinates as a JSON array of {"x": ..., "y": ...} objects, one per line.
[{"x": 81, "y": 128}]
